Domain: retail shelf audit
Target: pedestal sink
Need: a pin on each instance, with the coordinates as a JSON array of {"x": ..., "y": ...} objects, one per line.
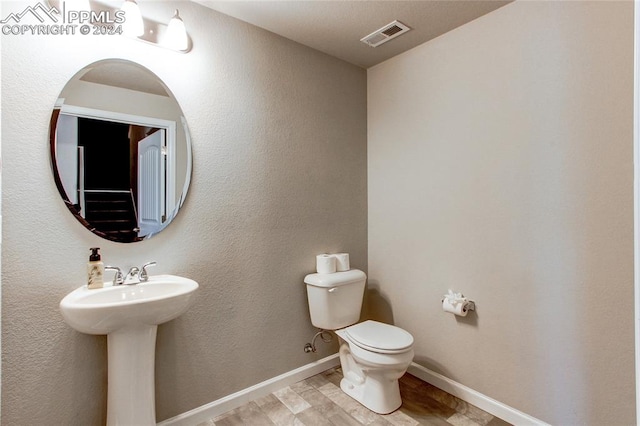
[{"x": 129, "y": 315}]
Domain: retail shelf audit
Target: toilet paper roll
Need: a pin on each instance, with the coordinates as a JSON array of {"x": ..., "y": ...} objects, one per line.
[
  {"x": 460, "y": 308},
  {"x": 325, "y": 264},
  {"x": 342, "y": 262}
]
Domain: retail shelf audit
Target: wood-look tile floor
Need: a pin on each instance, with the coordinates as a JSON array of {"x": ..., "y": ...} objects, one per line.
[{"x": 319, "y": 401}]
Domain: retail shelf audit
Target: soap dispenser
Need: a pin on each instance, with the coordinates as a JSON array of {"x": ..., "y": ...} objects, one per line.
[{"x": 95, "y": 270}]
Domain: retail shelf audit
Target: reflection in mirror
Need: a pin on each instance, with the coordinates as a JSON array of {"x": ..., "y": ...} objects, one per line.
[{"x": 120, "y": 151}]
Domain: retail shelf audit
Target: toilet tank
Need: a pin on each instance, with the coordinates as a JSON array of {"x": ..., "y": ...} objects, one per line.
[{"x": 335, "y": 300}]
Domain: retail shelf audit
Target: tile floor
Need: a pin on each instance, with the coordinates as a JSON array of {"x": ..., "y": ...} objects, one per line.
[{"x": 319, "y": 401}]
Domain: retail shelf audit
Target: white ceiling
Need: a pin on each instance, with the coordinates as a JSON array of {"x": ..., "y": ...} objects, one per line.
[{"x": 336, "y": 26}]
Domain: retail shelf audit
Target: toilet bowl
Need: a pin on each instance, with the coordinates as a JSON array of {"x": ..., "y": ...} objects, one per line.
[{"x": 374, "y": 356}]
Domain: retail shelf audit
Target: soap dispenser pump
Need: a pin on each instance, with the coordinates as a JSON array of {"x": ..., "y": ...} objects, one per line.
[{"x": 95, "y": 270}]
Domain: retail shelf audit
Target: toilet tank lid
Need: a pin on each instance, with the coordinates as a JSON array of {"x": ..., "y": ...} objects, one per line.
[{"x": 336, "y": 279}]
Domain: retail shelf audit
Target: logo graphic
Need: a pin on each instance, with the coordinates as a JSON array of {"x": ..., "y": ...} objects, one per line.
[
  {"x": 63, "y": 21},
  {"x": 50, "y": 13}
]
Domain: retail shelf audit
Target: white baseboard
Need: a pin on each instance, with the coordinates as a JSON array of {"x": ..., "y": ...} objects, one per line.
[
  {"x": 473, "y": 397},
  {"x": 235, "y": 400}
]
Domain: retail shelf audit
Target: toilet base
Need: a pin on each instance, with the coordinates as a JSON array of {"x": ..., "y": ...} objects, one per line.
[
  {"x": 379, "y": 398},
  {"x": 372, "y": 379}
]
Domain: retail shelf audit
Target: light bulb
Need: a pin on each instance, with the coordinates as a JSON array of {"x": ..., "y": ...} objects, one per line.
[
  {"x": 177, "y": 37},
  {"x": 133, "y": 25}
]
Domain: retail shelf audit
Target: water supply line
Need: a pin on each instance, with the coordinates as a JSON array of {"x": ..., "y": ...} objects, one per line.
[{"x": 311, "y": 347}]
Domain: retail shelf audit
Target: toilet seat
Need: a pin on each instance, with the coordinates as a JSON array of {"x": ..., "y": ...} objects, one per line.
[{"x": 378, "y": 337}]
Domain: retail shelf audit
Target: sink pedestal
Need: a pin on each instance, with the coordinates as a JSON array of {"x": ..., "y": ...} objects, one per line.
[{"x": 131, "y": 373}]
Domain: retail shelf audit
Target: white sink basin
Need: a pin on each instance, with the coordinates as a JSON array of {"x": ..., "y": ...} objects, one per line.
[
  {"x": 129, "y": 315},
  {"x": 102, "y": 311}
]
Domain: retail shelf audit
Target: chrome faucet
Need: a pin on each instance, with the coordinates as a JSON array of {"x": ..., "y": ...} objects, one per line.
[
  {"x": 138, "y": 275},
  {"x": 133, "y": 276}
]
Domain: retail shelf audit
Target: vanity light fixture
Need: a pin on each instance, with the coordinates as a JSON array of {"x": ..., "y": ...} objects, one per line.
[
  {"x": 173, "y": 36},
  {"x": 133, "y": 25},
  {"x": 177, "y": 38}
]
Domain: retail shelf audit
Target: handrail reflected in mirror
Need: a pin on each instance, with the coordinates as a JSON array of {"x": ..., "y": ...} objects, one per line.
[{"x": 120, "y": 151}]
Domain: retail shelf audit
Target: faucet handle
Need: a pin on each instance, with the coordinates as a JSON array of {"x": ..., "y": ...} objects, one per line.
[
  {"x": 118, "y": 279},
  {"x": 144, "y": 276}
]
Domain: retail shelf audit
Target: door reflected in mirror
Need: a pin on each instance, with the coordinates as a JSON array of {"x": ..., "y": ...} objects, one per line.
[{"x": 120, "y": 151}]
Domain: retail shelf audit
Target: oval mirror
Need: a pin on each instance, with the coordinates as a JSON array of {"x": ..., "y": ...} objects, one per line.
[{"x": 120, "y": 150}]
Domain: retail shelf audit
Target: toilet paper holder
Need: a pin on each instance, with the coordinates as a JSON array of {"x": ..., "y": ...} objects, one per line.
[{"x": 455, "y": 299}]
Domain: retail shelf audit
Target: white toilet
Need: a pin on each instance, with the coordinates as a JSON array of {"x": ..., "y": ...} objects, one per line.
[{"x": 373, "y": 355}]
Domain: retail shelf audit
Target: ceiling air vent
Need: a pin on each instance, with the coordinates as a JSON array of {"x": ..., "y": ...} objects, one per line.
[{"x": 385, "y": 34}]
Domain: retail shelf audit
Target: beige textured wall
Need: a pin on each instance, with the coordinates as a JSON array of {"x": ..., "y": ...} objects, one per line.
[
  {"x": 500, "y": 165},
  {"x": 279, "y": 135}
]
